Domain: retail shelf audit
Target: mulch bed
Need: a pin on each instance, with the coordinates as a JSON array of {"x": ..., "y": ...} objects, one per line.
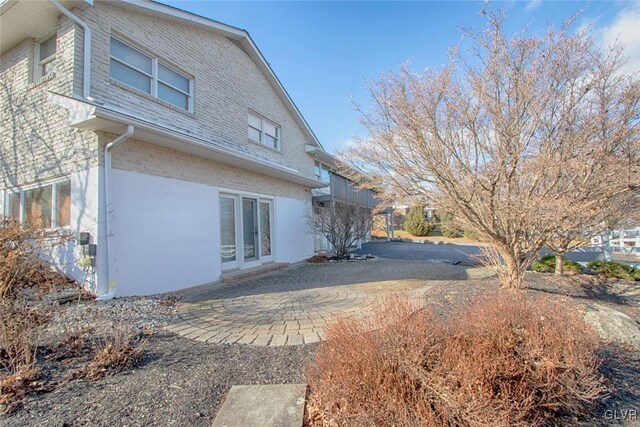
[
  {"x": 580, "y": 290},
  {"x": 180, "y": 382}
]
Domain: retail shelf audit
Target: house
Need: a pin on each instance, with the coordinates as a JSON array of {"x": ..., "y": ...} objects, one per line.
[
  {"x": 338, "y": 189},
  {"x": 161, "y": 139}
]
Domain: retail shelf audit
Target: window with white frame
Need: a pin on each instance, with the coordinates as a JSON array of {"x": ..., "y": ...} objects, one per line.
[
  {"x": 264, "y": 131},
  {"x": 322, "y": 172},
  {"x": 46, "y": 206},
  {"x": 45, "y": 54},
  {"x": 150, "y": 75}
]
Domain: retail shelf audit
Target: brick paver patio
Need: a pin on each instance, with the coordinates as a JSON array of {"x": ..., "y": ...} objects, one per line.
[{"x": 293, "y": 306}]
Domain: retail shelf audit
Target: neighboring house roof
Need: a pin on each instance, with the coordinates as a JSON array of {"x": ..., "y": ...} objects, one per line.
[{"x": 239, "y": 35}]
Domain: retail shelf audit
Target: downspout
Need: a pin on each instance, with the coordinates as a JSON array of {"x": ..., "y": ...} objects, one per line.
[
  {"x": 110, "y": 250},
  {"x": 86, "y": 64}
]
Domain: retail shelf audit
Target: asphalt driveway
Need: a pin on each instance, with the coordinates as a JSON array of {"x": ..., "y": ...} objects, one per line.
[
  {"x": 450, "y": 252},
  {"x": 464, "y": 253}
]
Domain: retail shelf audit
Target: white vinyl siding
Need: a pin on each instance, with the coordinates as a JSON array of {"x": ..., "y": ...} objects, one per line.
[
  {"x": 264, "y": 131},
  {"x": 148, "y": 74}
]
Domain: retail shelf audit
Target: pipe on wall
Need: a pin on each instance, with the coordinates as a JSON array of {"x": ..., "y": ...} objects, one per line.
[
  {"x": 109, "y": 248},
  {"x": 86, "y": 70}
]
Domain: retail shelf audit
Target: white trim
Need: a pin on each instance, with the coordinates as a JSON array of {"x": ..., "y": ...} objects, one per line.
[
  {"x": 87, "y": 115},
  {"x": 233, "y": 191}
]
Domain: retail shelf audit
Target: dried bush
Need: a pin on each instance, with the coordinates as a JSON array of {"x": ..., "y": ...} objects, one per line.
[
  {"x": 15, "y": 387},
  {"x": 20, "y": 265},
  {"x": 505, "y": 360},
  {"x": 170, "y": 300},
  {"x": 19, "y": 330},
  {"x": 317, "y": 259},
  {"x": 117, "y": 351}
]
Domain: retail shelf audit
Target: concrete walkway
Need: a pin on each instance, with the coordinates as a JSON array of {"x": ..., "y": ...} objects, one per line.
[{"x": 293, "y": 306}]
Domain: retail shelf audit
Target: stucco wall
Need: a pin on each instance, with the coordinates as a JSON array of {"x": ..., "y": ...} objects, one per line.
[{"x": 167, "y": 233}]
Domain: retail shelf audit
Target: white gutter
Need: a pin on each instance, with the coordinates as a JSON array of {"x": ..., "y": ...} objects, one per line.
[
  {"x": 86, "y": 63},
  {"x": 110, "y": 249}
]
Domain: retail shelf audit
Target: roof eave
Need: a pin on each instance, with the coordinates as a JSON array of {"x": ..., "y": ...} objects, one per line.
[{"x": 90, "y": 116}]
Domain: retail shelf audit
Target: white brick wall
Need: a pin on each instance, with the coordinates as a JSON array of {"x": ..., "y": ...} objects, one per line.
[
  {"x": 138, "y": 156},
  {"x": 36, "y": 142},
  {"x": 227, "y": 83}
]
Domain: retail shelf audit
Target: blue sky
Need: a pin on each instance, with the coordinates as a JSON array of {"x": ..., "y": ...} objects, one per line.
[{"x": 323, "y": 52}]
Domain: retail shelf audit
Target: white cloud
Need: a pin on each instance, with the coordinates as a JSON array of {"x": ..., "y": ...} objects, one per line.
[
  {"x": 532, "y": 5},
  {"x": 625, "y": 29}
]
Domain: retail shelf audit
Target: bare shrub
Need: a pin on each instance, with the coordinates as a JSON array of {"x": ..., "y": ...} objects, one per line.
[
  {"x": 118, "y": 350},
  {"x": 15, "y": 387},
  {"x": 19, "y": 330},
  {"x": 504, "y": 360},
  {"x": 20, "y": 265},
  {"x": 341, "y": 223}
]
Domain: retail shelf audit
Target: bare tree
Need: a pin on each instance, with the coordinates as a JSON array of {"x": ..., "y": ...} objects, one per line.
[
  {"x": 575, "y": 231},
  {"x": 341, "y": 223},
  {"x": 505, "y": 135}
]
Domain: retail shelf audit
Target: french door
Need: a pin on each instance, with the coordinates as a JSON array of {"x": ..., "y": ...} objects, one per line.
[{"x": 246, "y": 231}]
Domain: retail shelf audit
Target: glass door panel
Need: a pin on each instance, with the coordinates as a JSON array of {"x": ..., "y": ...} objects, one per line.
[
  {"x": 228, "y": 229},
  {"x": 250, "y": 228},
  {"x": 265, "y": 229}
]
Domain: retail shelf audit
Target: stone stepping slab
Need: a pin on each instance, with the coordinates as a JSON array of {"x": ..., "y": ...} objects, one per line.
[{"x": 280, "y": 405}]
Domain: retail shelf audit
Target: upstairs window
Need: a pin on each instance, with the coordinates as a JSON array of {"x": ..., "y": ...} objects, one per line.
[
  {"x": 322, "y": 172},
  {"x": 264, "y": 131},
  {"x": 150, "y": 75},
  {"x": 45, "y": 54},
  {"x": 47, "y": 206}
]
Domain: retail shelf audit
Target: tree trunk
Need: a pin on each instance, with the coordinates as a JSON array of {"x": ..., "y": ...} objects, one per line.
[
  {"x": 559, "y": 263},
  {"x": 511, "y": 270}
]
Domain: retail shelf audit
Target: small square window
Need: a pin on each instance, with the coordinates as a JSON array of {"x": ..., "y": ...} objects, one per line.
[
  {"x": 37, "y": 207},
  {"x": 45, "y": 54},
  {"x": 264, "y": 131},
  {"x": 63, "y": 204},
  {"x": 323, "y": 172},
  {"x": 13, "y": 206}
]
